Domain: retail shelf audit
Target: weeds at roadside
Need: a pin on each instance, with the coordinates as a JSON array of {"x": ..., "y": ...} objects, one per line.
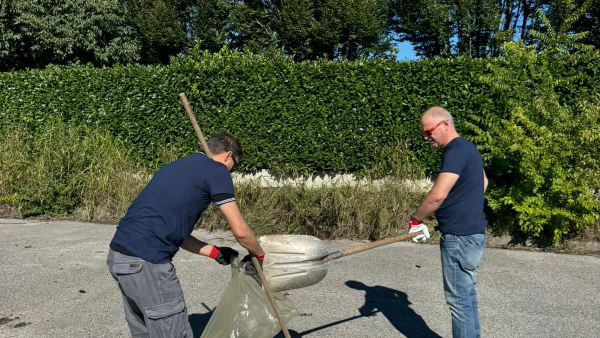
[
  {"x": 68, "y": 171},
  {"x": 373, "y": 208},
  {"x": 85, "y": 173}
]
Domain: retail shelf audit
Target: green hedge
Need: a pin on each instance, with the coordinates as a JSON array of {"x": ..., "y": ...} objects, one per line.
[
  {"x": 294, "y": 116},
  {"x": 315, "y": 116}
]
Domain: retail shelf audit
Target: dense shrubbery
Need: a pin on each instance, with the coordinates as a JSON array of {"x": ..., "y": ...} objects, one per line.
[
  {"x": 289, "y": 116},
  {"x": 313, "y": 116},
  {"x": 293, "y": 116},
  {"x": 542, "y": 151}
]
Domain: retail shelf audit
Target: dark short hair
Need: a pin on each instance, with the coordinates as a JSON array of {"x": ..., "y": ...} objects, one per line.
[{"x": 222, "y": 143}]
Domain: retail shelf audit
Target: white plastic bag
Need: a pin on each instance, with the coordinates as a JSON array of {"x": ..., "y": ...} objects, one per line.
[{"x": 244, "y": 310}]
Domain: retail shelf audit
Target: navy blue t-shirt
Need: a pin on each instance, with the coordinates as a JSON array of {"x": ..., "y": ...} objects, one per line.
[
  {"x": 165, "y": 212},
  {"x": 461, "y": 213}
]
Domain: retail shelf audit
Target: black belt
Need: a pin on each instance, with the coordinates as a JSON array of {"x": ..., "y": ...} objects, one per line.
[{"x": 121, "y": 249}]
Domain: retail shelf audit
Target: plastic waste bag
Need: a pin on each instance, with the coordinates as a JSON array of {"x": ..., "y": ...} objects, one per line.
[{"x": 244, "y": 310}]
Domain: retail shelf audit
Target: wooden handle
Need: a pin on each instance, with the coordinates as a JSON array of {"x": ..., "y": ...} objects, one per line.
[
  {"x": 261, "y": 275},
  {"x": 263, "y": 280},
  {"x": 375, "y": 244},
  {"x": 188, "y": 109}
]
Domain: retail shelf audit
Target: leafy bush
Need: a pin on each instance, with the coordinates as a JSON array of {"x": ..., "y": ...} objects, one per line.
[
  {"x": 542, "y": 153},
  {"x": 309, "y": 116}
]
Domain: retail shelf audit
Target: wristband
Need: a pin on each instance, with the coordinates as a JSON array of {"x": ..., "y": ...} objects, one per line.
[
  {"x": 414, "y": 221},
  {"x": 261, "y": 257},
  {"x": 214, "y": 252},
  {"x": 412, "y": 218}
]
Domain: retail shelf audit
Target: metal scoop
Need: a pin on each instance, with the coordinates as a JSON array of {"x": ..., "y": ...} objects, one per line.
[{"x": 298, "y": 261}]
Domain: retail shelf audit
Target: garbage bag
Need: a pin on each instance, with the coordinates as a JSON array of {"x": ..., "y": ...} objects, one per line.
[{"x": 244, "y": 310}]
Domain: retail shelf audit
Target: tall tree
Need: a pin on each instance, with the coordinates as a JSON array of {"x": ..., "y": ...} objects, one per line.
[
  {"x": 160, "y": 29},
  {"x": 476, "y": 22},
  {"x": 590, "y": 22},
  {"x": 209, "y": 23},
  {"x": 363, "y": 28},
  {"x": 461, "y": 27},
  {"x": 426, "y": 24},
  {"x": 37, "y": 33},
  {"x": 562, "y": 39},
  {"x": 559, "y": 11},
  {"x": 312, "y": 29},
  {"x": 252, "y": 26}
]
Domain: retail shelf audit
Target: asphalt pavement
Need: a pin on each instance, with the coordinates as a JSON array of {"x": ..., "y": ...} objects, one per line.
[{"x": 54, "y": 283}]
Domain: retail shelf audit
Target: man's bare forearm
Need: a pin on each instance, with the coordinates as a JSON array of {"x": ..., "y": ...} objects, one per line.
[
  {"x": 436, "y": 196},
  {"x": 426, "y": 208},
  {"x": 249, "y": 242},
  {"x": 240, "y": 229}
]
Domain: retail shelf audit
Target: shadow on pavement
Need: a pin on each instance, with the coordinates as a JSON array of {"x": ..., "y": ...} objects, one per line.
[
  {"x": 198, "y": 321},
  {"x": 393, "y": 304}
]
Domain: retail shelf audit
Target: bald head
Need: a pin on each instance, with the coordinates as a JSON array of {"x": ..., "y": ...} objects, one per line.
[
  {"x": 437, "y": 127},
  {"x": 436, "y": 114}
]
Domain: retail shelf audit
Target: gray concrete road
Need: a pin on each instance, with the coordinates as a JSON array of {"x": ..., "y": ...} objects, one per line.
[{"x": 54, "y": 283}]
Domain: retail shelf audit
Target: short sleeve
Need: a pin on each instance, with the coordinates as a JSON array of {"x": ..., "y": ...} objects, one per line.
[
  {"x": 453, "y": 161},
  {"x": 221, "y": 187}
]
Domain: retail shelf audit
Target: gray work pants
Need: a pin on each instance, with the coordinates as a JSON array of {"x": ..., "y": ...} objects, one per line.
[{"x": 152, "y": 296}]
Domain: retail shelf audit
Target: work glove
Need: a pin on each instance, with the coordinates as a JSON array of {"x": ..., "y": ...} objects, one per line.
[
  {"x": 223, "y": 255},
  {"x": 249, "y": 267},
  {"x": 415, "y": 226}
]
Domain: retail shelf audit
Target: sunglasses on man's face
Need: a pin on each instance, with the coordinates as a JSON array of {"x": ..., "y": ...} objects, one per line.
[
  {"x": 235, "y": 163},
  {"x": 427, "y": 132}
]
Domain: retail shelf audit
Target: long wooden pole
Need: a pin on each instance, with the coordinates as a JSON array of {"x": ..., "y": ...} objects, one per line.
[
  {"x": 188, "y": 109},
  {"x": 359, "y": 248},
  {"x": 261, "y": 275},
  {"x": 267, "y": 288}
]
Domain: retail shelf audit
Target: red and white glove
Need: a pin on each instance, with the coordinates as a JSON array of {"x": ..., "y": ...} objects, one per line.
[{"x": 416, "y": 226}]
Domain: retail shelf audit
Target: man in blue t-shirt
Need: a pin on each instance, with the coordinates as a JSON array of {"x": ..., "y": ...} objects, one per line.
[
  {"x": 160, "y": 221},
  {"x": 457, "y": 199}
]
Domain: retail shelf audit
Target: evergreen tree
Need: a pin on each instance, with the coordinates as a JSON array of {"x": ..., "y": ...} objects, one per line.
[
  {"x": 37, "y": 33},
  {"x": 210, "y": 23},
  {"x": 426, "y": 24},
  {"x": 160, "y": 30},
  {"x": 312, "y": 29}
]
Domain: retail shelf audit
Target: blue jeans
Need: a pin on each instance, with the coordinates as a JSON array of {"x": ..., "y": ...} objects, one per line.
[{"x": 461, "y": 256}]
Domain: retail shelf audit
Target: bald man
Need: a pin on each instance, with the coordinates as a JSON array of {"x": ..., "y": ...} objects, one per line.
[{"x": 457, "y": 199}]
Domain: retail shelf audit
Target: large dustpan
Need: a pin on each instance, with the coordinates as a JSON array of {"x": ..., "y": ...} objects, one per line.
[{"x": 297, "y": 261}]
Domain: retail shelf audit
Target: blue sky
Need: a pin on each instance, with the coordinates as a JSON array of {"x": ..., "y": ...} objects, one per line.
[{"x": 405, "y": 51}]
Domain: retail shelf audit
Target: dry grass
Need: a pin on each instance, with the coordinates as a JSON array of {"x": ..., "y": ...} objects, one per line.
[
  {"x": 86, "y": 174},
  {"x": 371, "y": 210},
  {"x": 66, "y": 171},
  {"x": 366, "y": 212},
  {"x": 81, "y": 173},
  {"x": 110, "y": 181}
]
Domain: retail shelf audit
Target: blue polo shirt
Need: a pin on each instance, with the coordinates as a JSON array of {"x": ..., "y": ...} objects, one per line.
[
  {"x": 461, "y": 213},
  {"x": 167, "y": 209}
]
